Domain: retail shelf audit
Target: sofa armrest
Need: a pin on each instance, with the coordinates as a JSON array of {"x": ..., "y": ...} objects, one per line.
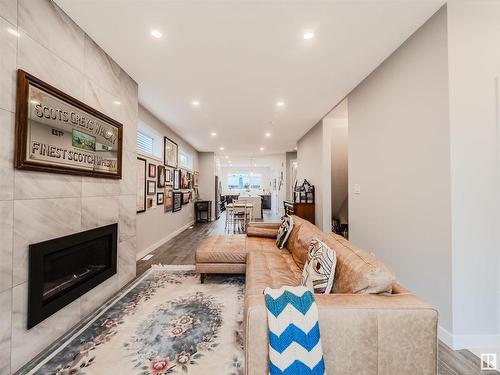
[
  {"x": 377, "y": 334},
  {"x": 266, "y": 230}
]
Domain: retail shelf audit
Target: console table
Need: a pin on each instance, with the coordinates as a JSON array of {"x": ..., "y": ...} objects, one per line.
[
  {"x": 304, "y": 210},
  {"x": 203, "y": 207}
]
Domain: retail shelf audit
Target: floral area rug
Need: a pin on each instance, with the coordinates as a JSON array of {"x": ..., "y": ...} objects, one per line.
[{"x": 165, "y": 323}]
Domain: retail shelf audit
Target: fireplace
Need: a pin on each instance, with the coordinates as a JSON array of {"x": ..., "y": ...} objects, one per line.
[{"x": 63, "y": 269}]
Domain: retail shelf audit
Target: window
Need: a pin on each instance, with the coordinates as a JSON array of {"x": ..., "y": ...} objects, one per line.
[
  {"x": 149, "y": 143},
  {"x": 144, "y": 143},
  {"x": 244, "y": 181},
  {"x": 185, "y": 160}
]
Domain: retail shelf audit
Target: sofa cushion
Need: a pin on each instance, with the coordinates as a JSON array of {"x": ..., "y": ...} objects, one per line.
[
  {"x": 302, "y": 233},
  {"x": 222, "y": 249},
  {"x": 357, "y": 271},
  {"x": 319, "y": 270},
  {"x": 255, "y": 231},
  {"x": 270, "y": 269}
]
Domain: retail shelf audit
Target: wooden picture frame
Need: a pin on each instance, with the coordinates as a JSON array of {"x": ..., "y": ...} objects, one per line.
[
  {"x": 152, "y": 170},
  {"x": 141, "y": 185},
  {"x": 177, "y": 201},
  {"x": 184, "y": 179},
  {"x": 160, "y": 198},
  {"x": 151, "y": 187},
  {"x": 170, "y": 153},
  {"x": 57, "y": 133},
  {"x": 168, "y": 204},
  {"x": 161, "y": 176},
  {"x": 169, "y": 176},
  {"x": 177, "y": 179},
  {"x": 186, "y": 195}
]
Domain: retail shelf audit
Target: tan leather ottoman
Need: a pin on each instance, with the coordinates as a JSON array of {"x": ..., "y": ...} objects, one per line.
[{"x": 221, "y": 254}]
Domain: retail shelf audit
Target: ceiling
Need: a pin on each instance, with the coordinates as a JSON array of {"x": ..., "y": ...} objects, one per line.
[{"x": 239, "y": 58}]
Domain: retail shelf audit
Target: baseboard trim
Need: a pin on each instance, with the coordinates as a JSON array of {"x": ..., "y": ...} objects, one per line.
[
  {"x": 141, "y": 254},
  {"x": 445, "y": 336},
  {"x": 458, "y": 342}
]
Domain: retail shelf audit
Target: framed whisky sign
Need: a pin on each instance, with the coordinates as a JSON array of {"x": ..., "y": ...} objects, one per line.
[{"x": 58, "y": 133}]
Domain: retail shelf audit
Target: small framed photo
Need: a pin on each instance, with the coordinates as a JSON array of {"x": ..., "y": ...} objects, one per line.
[
  {"x": 152, "y": 170},
  {"x": 159, "y": 198},
  {"x": 196, "y": 178},
  {"x": 161, "y": 176},
  {"x": 168, "y": 200},
  {"x": 151, "y": 187},
  {"x": 141, "y": 185},
  {"x": 149, "y": 202},
  {"x": 177, "y": 205},
  {"x": 185, "y": 197},
  {"x": 169, "y": 176},
  {"x": 177, "y": 179}
]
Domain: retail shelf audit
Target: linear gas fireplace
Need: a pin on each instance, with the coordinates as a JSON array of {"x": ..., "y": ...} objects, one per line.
[{"x": 63, "y": 269}]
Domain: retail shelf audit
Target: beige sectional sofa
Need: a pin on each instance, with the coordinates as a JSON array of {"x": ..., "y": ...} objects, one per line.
[{"x": 369, "y": 324}]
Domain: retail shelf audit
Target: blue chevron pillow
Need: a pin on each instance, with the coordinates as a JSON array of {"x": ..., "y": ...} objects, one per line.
[
  {"x": 294, "y": 338},
  {"x": 319, "y": 270}
]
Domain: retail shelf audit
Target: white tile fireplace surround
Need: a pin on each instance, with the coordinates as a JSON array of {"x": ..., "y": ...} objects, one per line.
[{"x": 38, "y": 37}]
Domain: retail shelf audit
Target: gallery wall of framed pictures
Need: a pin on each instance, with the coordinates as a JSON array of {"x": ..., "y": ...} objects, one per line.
[{"x": 165, "y": 184}]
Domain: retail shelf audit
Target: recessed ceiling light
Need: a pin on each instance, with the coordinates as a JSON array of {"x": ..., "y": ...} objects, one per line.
[
  {"x": 12, "y": 31},
  {"x": 268, "y": 134},
  {"x": 308, "y": 35},
  {"x": 117, "y": 102},
  {"x": 227, "y": 157},
  {"x": 156, "y": 34},
  {"x": 213, "y": 134},
  {"x": 221, "y": 148},
  {"x": 196, "y": 103},
  {"x": 262, "y": 149},
  {"x": 280, "y": 103}
]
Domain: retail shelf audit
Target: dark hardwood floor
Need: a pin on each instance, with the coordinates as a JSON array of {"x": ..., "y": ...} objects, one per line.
[{"x": 180, "y": 250}]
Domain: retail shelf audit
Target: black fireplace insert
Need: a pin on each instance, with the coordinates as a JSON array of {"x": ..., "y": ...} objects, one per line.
[{"x": 65, "y": 268}]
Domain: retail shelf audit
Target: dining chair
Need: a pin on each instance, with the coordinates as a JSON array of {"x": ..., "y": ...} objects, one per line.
[
  {"x": 229, "y": 215},
  {"x": 239, "y": 215}
]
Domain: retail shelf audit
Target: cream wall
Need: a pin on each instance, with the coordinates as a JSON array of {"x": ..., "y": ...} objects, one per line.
[
  {"x": 290, "y": 156},
  {"x": 474, "y": 64},
  {"x": 314, "y": 165},
  {"x": 39, "y": 206},
  {"x": 265, "y": 173},
  {"x": 155, "y": 227},
  {"x": 339, "y": 162},
  {"x": 206, "y": 162},
  {"x": 271, "y": 167},
  {"x": 399, "y": 154}
]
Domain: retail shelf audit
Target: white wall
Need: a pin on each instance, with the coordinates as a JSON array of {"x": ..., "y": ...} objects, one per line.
[
  {"x": 265, "y": 173},
  {"x": 474, "y": 62},
  {"x": 314, "y": 165},
  {"x": 206, "y": 188},
  {"x": 271, "y": 167},
  {"x": 154, "y": 227},
  {"x": 399, "y": 154},
  {"x": 37, "y": 206},
  {"x": 339, "y": 175},
  {"x": 290, "y": 156}
]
